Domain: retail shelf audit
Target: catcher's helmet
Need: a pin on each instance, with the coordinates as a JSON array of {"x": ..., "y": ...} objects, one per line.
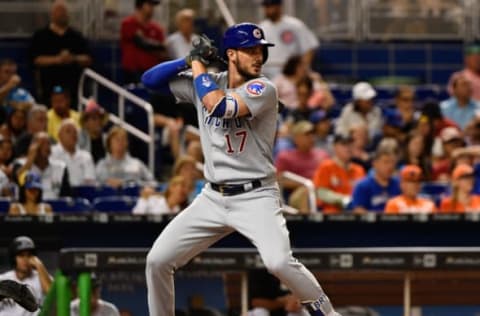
[
  {"x": 245, "y": 35},
  {"x": 19, "y": 244}
]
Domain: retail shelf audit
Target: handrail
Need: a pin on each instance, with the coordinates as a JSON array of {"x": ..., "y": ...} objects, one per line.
[
  {"x": 312, "y": 200},
  {"x": 227, "y": 15},
  {"x": 119, "y": 120}
]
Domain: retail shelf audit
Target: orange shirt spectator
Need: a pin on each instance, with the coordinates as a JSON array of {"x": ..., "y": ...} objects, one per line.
[
  {"x": 409, "y": 202},
  {"x": 142, "y": 41},
  {"x": 462, "y": 199},
  {"x": 334, "y": 178}
]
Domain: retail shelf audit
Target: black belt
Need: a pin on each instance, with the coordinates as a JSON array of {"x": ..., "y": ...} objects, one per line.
[{"x": 234, "y": 189}]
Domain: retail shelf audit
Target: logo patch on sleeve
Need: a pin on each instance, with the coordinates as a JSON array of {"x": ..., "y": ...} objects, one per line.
[{"x": 255, "y": 88}]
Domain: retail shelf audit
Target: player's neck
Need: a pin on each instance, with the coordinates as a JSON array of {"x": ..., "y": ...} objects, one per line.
[{"x": 235, "y": 79}]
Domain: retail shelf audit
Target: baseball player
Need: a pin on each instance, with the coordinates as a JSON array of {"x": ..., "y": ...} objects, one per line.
[
  {"x": 28, "y": 270},
  {"x": 237, "y": 111}
]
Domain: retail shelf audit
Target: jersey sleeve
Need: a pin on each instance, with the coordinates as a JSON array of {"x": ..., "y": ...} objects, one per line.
[
  {"x": 259, "y": 95},
  {"x": 182, "y": 87},
  {"x": 361, "y": 196}
]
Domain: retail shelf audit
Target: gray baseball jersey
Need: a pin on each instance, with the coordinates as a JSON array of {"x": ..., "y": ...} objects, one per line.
[{"x": 236, "y": 150}]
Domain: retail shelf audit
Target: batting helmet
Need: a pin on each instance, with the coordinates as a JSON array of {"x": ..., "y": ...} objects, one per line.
[
  {"x": 245, "y": 35},
  {"x": 19, "y": 244}
]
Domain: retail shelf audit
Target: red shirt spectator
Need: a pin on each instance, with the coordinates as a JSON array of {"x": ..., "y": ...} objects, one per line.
[
  {"x": 141, "y": 41},
  {"x": 304, "y": 159}
]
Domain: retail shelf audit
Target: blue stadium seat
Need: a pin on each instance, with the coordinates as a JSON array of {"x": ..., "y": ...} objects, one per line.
[
  {"x": 4, "y": 204},
  {"x": 123, "y": 204},
  {"x": 435, "y": 188},
  {"x": 131, "y": 190},
  {"x": 70, "y": 205},
  {"x": 91, "y": 192}
]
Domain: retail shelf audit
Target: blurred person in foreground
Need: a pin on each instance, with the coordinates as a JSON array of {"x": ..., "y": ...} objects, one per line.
[
  {"x": 172, "y": 201},
  {"x": 118, "y": 167},
  {"x": 290, "y": 35},
  {"x": 59, "y": 53},
  {"x": 81, "y": 168},
  {"x": 179, "y": 44},
  {"x": 92, "y": 137},
  {"x": 141, "y": 41},
  {"x": 28, "y": 270},
  {"x": 30, "y": 199},
  {"x": 372, "y": 192},
  {"x": 98, "y": 307},
  {"x": 409, "y": 202},
  {"x": 335, "y": 178},
  {"x": 462, "y": 199}
]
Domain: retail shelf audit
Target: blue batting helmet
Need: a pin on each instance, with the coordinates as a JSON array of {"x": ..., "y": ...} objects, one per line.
[{"x": 245, "y": 35}]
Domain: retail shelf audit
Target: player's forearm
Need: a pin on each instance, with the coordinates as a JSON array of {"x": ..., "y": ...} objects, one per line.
[
  {"x": 45, "y": 279},
  {"x": 211, "y": 99},
  {"x": 157, "y": 77}
]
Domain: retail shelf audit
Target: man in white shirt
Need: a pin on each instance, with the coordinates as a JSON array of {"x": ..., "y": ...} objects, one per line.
[
  {"x": 29, "y": 270},
  {"x": 81, "y": 168},
  {"x": 98, "y": 307},
  {"x": 179, "y": 44},
  {"x": 54, "y": 173},
  {"x": 290, "y": 35}
]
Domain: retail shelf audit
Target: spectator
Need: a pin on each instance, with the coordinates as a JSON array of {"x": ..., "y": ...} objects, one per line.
[
  {"x": 59, "y": 53},
  {"x": 267, "y": 296},
  {"x": 142, "y": 41},
  {"x": 36, "y": 122},
  {"x": 360, "y": 145},
  {"x": 451, "y": 139},
  {"x": 290, "y": 35},
  {"x": 179, "y": 43},
  {"x": 15, "y": 125},
  {"x": 186, "y": 166},
  {"x": 460, "y": 108},
  {"x": 60, "y": 102},
  {"x": 294, "y": 71},
  {"x": 304, "y": 158},
  {"x": 471, "y": 71},
  {"x": 29, "y": 270},
  {"x": 362, "y": 109},
  {"x": 11, "y": 95},
  {"x": 81, "y": 168},
  {"x": 54, "y": 173},
  {"x": 409, "y": 201},
  {"x": 92, "y": 138},
  {"x": 118, "y": 167},
  {"x": 335, "y": 177},
  {"x": 6, "y": 186},
  {"x": 392, "y": 127},
  {"x": 98, "y": 307},
  {"x": 30, "y": 198},
  {"x": 172, "y": 202},
  {"x": 414, "y": 154},
  {"x": 304, "y": 90},
  {"x": 322, "y": 123},
  {"x": 372, "y": 192},
  {"x": 405, "y": 107},
  {"x": 462, "y": 200}
]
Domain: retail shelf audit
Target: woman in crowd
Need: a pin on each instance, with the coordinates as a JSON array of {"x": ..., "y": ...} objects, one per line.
[
  {"x": 118, "y": 167},
  {"x": 30, "y": 200},
  {"x": 15, "y": 125},
  {"x": 173, "y": 201},
  {"x": 91, "y": 138}
]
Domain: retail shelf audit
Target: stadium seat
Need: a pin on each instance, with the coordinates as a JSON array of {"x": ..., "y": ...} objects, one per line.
[
  {"x": 435, "y": 188},
  {"x": 114, "y": 204},
  {"x": 4, "y": 204},
  {"x": 70, "y": 205},
  {"x": 91, "y": 192}
]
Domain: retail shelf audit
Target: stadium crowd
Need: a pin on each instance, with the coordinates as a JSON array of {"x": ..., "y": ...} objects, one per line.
[{"x": 406, "y": 155}]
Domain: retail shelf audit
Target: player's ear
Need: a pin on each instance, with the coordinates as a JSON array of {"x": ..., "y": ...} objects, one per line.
[{"x": 230, "y": 53}]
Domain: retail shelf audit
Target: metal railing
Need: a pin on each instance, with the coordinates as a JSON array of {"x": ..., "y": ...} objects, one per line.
[
  {"x": 308, "y": 184},
  {"x": 123, "y": 95}
]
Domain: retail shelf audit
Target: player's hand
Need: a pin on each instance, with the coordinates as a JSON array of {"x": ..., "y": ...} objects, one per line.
[
  {"x": 292, "y": 304},
  {"x": 35, "y": 262},
  {"x": 203, "y": 51}
]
